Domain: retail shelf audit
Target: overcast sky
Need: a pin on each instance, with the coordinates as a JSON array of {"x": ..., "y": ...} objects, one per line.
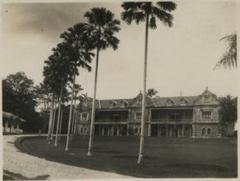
[{"x": 181, "y": 58}]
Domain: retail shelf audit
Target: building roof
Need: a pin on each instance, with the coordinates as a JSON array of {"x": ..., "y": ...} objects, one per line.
[
  {"x": 11, "y": 116},
  {"x": 206, "y": 98}
]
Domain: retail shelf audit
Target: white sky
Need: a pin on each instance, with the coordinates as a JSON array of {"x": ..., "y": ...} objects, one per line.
[{"x": 181, "y": 58}]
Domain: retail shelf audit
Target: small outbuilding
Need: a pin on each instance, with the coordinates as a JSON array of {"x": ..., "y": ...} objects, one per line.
[{"x": 11, "y": 123}]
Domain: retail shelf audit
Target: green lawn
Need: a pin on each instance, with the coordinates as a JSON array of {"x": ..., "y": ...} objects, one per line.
[{"x": 163, "y": 157}]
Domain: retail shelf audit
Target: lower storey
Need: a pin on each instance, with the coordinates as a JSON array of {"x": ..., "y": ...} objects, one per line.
[{"x": 168, "y": 130}]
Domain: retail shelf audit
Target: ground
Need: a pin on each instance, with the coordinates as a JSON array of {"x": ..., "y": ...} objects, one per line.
[
  {"x": 18, "y": 165},
  {"x": 163, "y": 157}
]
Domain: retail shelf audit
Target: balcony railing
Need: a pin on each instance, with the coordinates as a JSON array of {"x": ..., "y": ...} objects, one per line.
[{"x": 172, "y": 120}]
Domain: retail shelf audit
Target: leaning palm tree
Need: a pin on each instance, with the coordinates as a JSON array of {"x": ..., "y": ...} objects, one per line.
[
  {"x": 147, "y": 12},
  {"x": 229, "y": 58},
  {"x": 104, "y": 26}
]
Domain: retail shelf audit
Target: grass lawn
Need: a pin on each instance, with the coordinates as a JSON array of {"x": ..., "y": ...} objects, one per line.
[{"x": 163, "y": 157}]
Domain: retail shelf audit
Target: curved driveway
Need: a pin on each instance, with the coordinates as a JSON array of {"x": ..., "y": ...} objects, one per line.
[{"x": 18, "y": 165}]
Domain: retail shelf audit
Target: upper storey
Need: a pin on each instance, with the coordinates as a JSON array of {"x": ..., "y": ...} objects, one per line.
[{"x": 207, "y": 98}]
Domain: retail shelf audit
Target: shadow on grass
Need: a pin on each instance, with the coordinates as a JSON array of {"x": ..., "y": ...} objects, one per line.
[
  {"x": 7, "y": 175},
  {"x": 164, "y": 158}
]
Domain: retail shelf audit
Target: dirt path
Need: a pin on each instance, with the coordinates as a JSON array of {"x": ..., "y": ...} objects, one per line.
[{"x": 18, "y": 165}]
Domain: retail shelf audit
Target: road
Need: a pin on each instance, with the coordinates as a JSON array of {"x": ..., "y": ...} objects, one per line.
[{"x": 21, "y": 166}]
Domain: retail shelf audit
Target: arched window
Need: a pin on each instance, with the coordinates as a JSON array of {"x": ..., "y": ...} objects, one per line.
[
  {"x": 203, "y": 131},
  {"x": 208, "y": 131}
]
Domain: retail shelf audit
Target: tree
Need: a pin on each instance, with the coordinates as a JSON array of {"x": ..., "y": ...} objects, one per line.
[
  {"x": 77, "y": 36},
  {"x": 43, "y": 98},
  {"x": 148, "y": 12},
  {"x": 58, "y": 71},
  {"x": 19, "y": 99},
  {"x": 103, "y": 27},
  {"x": 228, "y": 110},
  {"x": 229, "y": 58},
  {"x": 228, "y": 113},
  {"x": 152, "y": 92}
]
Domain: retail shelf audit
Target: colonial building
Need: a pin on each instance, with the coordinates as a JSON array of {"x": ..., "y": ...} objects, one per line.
[{"x": 183, "y": 116}]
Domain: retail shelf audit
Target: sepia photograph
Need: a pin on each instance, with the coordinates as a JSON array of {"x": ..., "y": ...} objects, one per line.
[{"x": 119, "y": 89}]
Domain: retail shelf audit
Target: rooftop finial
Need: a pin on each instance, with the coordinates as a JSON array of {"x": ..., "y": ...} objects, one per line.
[
  {"x": 180, "y": 93},
  {"x": 207, "y": 88}
]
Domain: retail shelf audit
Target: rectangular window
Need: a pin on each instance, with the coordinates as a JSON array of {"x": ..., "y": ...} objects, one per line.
[
  {"x": 84, "y": 116},
  {"x": 85, "y": 130},
  {"x": 138, "y": 115},
  {"x": 206, "y": 114}
]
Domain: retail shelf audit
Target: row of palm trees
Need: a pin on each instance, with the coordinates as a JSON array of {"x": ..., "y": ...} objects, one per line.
[{"x": 76, "y": 50}]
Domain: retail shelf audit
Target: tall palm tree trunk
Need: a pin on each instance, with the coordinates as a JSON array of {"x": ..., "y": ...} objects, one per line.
[
  {"x": 53, "y": 122},
  {"x": 140, "y": 155},
  {"x": 59, "y": 116},
  {"x": 70, "y": 116},
  {"x": 74, "y": 117},
  {"x": 91, "y": 133},
  {"x": 60, "y": 125},
  {"x": 50, "y": 119},
  {"x": 75, "y": 123},
  {"x": 72, "y": 125}
]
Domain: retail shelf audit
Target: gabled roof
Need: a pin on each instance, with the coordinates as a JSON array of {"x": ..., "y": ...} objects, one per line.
[
  {"x": 156, "y": 101},
  {"x": 113, "y": 103},
  {"x": 177, "y": 101},
  {"x": 206, "y": 98},
  {"x": 137, "y": 101},
  {"x": 11, "y": 116}
]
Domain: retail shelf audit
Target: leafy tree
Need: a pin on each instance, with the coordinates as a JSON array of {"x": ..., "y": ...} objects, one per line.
[
  {"x": 229, "y": 58},
  {"x": 228, "y": 111},
  {"x": 19, "y": 99},
  {"x": 147, "y": 12},
  {"x": 152, "y": 92},
  {"x": 103, "y": 27},
  {"x": 43, "y": 98}
]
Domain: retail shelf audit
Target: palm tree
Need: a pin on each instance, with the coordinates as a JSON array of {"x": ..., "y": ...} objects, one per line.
[
  {"x": 103, "y": 26},
  {"x": 147, "y": 12},
  {"x": 229, "y": 59},
  {"x": 77, "y": 36},
  {"x": 59, "y": 70}
]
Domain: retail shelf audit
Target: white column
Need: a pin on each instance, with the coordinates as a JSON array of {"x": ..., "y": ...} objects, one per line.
[
  {"x": 182, "y": 130},
  {"x": 17, "y": 127},
  {"x": 102, "y": 129},
  {"x": 12, "y": 128},
  {"x": 128, "y": 121},
  {"x": 150, "y": 122},
  {"x": 117, "y": 131},
  {"x": 111, "y": 131}
]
